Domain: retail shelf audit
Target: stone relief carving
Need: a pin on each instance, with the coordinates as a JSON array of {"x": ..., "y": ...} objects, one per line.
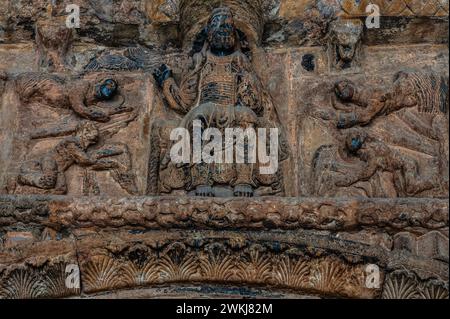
[
  {"x": 53, "y": 43},
  {"x": 397, "y": 8},
  {"x": 97, "y": 118},
  {"x": 43, "y": 282},
  {"x": 431, "y": 245},
  {"x": 344, "y": 43},
  {"x": 217, "y": 262},
  {"x": 419, "y": 102},
  {"x": 100, "y": 99},
  {"x": 48, "y": 173},
  {"x": 58, "y": 107},
  {"x": 42, "y": 275},
  {"x": 130, "y": 59},
  {"x": 93, "y": 101},
  {"x": 222, "y": 91},
  {"x": 402, "y": 215},
  {"x": 406, "y": 285}
]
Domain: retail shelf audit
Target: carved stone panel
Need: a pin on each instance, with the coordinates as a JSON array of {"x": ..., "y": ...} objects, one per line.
[{"x": 229, "y": 148}]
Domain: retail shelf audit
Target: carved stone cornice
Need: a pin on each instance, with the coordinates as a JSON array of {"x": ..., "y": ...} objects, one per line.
[{"x": 215, "y": 213}]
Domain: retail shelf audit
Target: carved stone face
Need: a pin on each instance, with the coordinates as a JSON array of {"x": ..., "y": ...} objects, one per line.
[
  {"x": 345, "y": 90},
  {"x": 347, "y": 35},
  {"x": 221, "y": 30},
  {"x": 346, "y": 47}
]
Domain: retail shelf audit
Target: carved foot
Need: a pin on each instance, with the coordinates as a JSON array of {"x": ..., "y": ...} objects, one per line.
[
  {"x": 204, "y": 191},
  {"x": 416, "y": 187},
  {"x": 47, "y": 182},
  {"x": 243, "y": 191},
  {"x": 43, "y": 182}
]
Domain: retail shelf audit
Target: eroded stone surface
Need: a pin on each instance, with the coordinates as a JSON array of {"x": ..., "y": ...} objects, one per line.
[{"x": 85, "y": 122}]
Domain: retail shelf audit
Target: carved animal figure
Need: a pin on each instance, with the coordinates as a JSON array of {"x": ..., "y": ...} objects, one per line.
[{"x": 345, "y": 40}]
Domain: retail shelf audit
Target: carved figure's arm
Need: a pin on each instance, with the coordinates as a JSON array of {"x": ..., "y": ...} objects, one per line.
[
  {"x": 375, "y": 159},
  {"x": 180, "y": 98},
  {"x": 368, "y": 103},
  {"x": 79, "y": 155},
  {"x": 77, "y": 97},
  {"x": 361, "y": 116},
  {"x": 249, "y": 91}
]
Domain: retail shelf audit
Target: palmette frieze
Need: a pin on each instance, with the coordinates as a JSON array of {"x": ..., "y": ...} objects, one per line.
[{"x": 123, "y": 260}]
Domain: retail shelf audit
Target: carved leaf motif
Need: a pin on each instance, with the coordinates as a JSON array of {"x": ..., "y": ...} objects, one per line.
[
  {"x": 400, "y": 287},
  {"x": 431, "y": 291},
  {"x": 55, "y": 282},
  {"x": 101, "y": 272},
  {"x": 136, "y": 275},
  {"x": 185, "y": 270},
  {"x": 47, "y": 282},
  {"x": 292, "y": 273},
  {"x": 328, "y": 276},
  {"x": 217, "y": 266},
  {"x": 22, "y": 284},
  {"x": 258, "y": 268}
]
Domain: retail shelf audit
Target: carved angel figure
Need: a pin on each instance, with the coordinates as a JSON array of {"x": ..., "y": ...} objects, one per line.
[
  {"x": 406, "y": 129},
  {"x": 222, "y": 90},
  {"x": 364, "y": 166},
  {"x": 48, "y": 172},
  {"x": 92, "y": 101}
]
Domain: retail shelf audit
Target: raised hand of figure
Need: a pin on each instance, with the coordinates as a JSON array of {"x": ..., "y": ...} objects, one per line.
[
  {"x": 162, "y": 74},
  {"x": 97, "y": 114}
]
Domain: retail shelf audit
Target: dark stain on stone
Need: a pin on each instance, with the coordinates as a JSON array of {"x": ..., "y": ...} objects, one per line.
[{"x": 308, "y": 62}]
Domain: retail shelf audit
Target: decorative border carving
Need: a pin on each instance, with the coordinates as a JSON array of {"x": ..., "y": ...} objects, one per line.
[
  {"x": 36, "y": 270},
  {"x": 419, "y": 8},
  {"x": 303, "y": 263},
  {"x": 217, "y": 263},
  {"x": 216, "y": 213},
  {"x": 406, "y": 285}
]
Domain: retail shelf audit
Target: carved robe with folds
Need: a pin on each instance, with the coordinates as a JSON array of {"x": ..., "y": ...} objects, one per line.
[{"x": 222, "y": 92}]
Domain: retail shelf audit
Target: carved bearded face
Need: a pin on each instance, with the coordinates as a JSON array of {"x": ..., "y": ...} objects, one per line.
[{"x": 221, "y": 30}]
